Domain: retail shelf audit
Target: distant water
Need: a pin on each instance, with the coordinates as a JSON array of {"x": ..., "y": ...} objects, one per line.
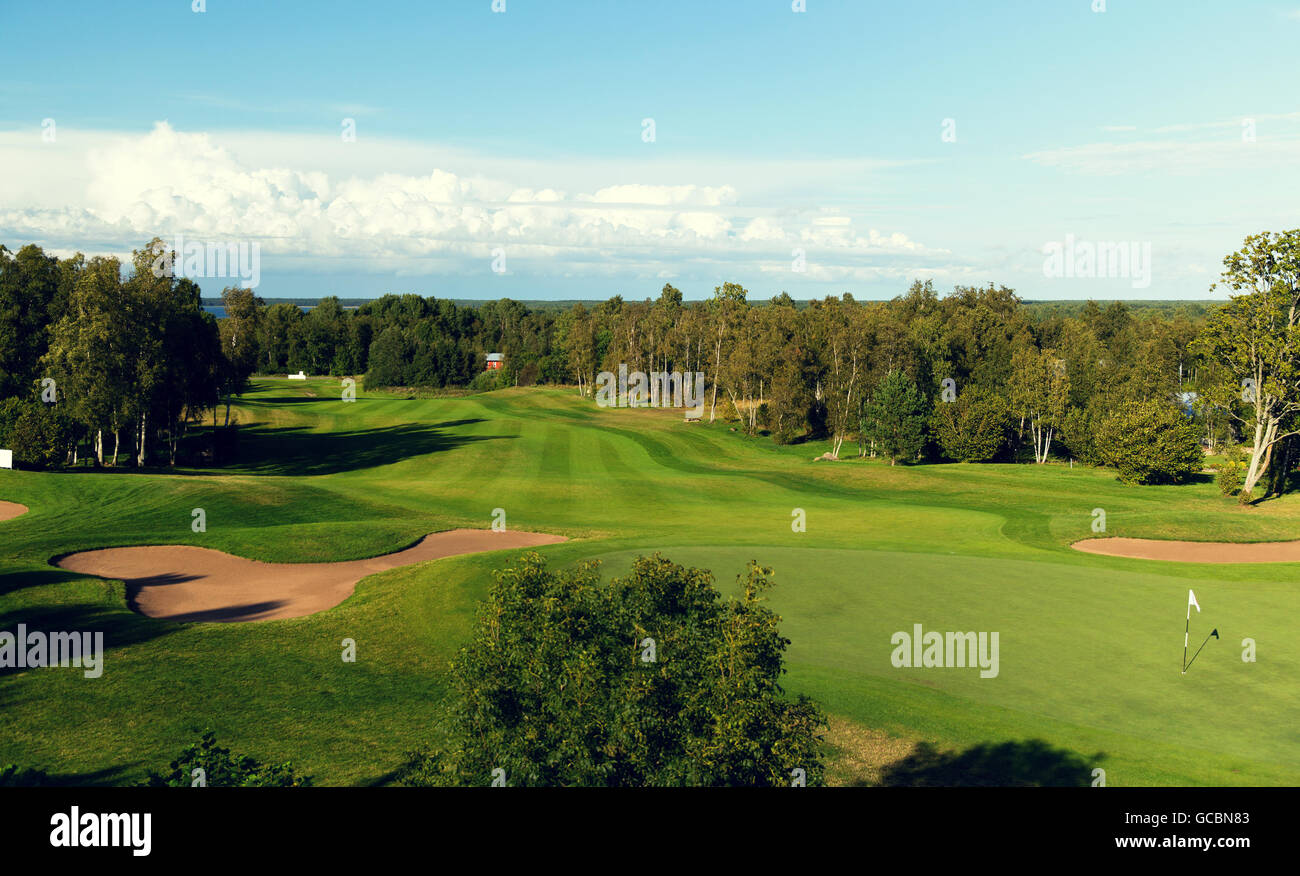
[{"x": 220, "y": 312}]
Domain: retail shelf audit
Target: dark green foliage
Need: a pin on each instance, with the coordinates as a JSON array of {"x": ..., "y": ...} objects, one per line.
[
  {"x": 1150, "y": 443},
  {"x": 895, "y": 418},
  {"x": 1079, "y": 435},
  {"x": 974, "y": 427},
  {"x": 222, "y": 769},
  {"x": 556, "y": 687},
  {"x": 37, "y": 433}
]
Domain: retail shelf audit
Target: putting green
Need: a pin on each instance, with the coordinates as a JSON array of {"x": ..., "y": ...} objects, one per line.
[{"x": 1090, "y": 646}]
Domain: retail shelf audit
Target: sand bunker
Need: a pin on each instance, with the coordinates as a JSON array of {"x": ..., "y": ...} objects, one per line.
[
  {"x": 183, "y": 583},
  {"x": 10, "y": 510},
  {"x": 1193, "y": 551}
]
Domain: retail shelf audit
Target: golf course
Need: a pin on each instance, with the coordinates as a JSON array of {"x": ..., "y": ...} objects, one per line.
[{"x": 1090, "y": 645}]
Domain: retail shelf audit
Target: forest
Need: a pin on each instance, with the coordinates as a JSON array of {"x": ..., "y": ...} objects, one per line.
[{"x": 105, "y": 366}]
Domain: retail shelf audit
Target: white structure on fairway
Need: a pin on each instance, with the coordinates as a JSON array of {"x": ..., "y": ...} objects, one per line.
[
  {"x": 6, "y": 458},
  {"x": 298, "y": 376}
]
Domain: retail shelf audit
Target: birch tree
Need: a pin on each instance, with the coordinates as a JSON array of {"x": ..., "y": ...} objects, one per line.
[{"x": 1256, "y": 339}]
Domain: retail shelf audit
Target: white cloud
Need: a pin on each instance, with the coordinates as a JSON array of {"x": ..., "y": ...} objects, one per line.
[{"x": 99, "y": 191}]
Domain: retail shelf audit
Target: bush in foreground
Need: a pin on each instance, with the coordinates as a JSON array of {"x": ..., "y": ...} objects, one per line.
[
  {"x": 222, "y": 769},
  {"x": 649, "y": 680}
]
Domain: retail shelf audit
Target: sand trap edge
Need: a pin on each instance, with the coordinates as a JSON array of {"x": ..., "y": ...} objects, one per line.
[
  {"x": 10, "y": 510},
  {"x": 1212, "y": 552},
  {"x": 188, "y": 583}
]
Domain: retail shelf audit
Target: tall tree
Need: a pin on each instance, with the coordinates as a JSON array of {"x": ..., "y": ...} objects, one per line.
[
  {"x": 1255, "y": 337},
  {"x": 894, "y": 418},
  {"x": 1040, "y": 394}
]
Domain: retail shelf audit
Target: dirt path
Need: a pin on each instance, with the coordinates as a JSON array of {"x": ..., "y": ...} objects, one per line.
[
  {"x": 10, "y": 510},
  {"x": 183, "y": 583},
  {"x": 1193, "y": 551}
]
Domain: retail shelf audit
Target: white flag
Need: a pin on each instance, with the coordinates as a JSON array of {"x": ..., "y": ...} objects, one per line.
[{"x": 1191, "y": 600}]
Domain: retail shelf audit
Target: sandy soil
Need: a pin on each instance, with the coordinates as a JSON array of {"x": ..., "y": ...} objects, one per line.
[
  {"x": 182, "y": 583},
  {"x": 1193, "y": 551},
  {"x": 10, "y": 510}
]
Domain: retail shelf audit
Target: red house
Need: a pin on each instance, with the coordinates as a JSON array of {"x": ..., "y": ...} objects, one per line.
[{"x": 495, "y": 361}]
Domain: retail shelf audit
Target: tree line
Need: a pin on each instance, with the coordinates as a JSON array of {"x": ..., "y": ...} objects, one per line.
[{"x": 972, "y": 375}]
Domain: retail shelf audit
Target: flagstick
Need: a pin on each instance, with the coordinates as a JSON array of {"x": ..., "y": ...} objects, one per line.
[{"x": 1187, "y": 626}]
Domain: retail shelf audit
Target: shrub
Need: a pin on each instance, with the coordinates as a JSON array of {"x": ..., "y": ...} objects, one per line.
[
  {"x": 1230, "y": 474},
  {"x": 487, "y": 381},
  {"x": 222, "y": 769},
  {"x": 649, "y": 680},
  {"x": 1150, "y": 443},
  {"x": 37, "y": 433},
  {"x": 974, "y": 427}
]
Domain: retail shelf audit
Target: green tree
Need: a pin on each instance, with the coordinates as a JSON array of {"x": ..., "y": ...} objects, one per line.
[
  {"x": 649, "y": 680},
  {"x": 239, "y": 332},
  {"x": 895, "y": 418},
  {"x": 389, "y": 355},
  {"x": 38, "y": 434},
  {"x": 1255, "y": 339},
  {"x": 1040, "y": 393},
  {"x": 29, "y": 283},
  {"x": 974, "y": 427},
  {"x": 1151, "y": 443}
]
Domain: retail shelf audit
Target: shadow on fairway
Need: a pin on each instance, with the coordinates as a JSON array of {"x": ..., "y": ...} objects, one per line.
[
  {"x": 293, "y": 450},
  {"x": 27, "y": 777},
  {"x": 11, "y": 582},
  {"x": 120, "y": 627},
  {"x": 1032, "y": 763}
]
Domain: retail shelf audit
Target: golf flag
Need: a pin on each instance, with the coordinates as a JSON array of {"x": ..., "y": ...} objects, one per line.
[{"x": 1191, "y": 600}]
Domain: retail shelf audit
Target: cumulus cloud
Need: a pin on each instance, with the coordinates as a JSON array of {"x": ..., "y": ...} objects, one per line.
[{"x": 124, "y": 189}]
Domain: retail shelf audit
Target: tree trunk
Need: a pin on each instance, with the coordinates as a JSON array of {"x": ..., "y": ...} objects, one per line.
[
  {"x": 1258, "y": 463},
  {"x": 144, "y": 422},
  {"x": 717, "y": 366}
]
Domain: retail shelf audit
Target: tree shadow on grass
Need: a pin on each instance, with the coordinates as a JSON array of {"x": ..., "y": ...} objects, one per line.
[
  {"x": 11, "y": 582},
  {"x": 30, "y": 777},
  {"x": 1032, "y": 763},
  {"x": 120, "y": 627},
  {"x": 296, "y": 451}
]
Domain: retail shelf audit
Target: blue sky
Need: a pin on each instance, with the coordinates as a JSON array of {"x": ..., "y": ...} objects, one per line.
[{"x": 792, "y": 151}]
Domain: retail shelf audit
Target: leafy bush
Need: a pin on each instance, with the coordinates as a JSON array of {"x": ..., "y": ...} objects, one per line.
[
  {"x": 487, "y": 381},
  {"x": 649, "y": 680},
  {"x": 974, "y": 427},
  {"x": 222, "y": 769},
  {"x": 1150, "y": 443},
  {"x": 37, "y": 433},
  {"x": 1231, "y": 473}
]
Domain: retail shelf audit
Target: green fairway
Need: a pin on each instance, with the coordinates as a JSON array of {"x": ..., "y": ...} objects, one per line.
[{"x": 1090, "y": 646}]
